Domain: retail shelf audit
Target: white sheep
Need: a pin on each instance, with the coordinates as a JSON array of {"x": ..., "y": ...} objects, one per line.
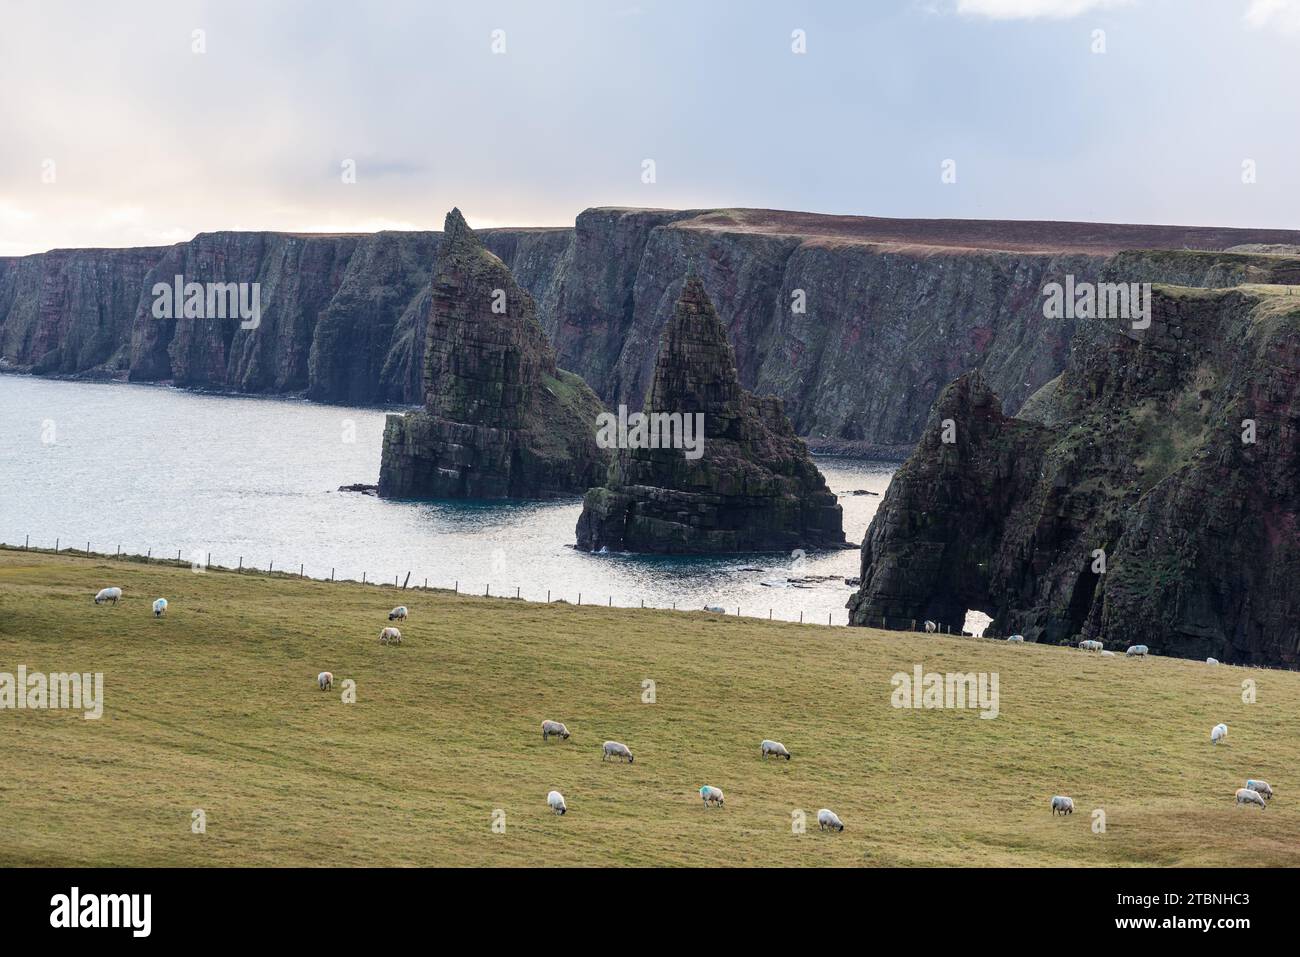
[
  {"x": 715, "y": 609},
  {"x": 398, "y": 613},
  {"x": 1211, "y": 661},
  {"x": 326, "y": 680},
  {"x": 1247, "y": 796},
  {"x": 1090, "y": 646},
  {"x": 390, "y": 636},
  {"x": 1016, "y": 638},
  {"x": 826, "y": 818},
  {"x": 1262, "y": 787},
  {"x": 776, "y": 748},
  {"x": 712, "y": 795},
  {"x": 554, "y": 727},
  {"x": 108, "y": 594},
  {"x": 930, "y": 626},
  {"x": 1062, "y": 804},
  {"x": 1136, "y": 651},
  {"x": 159, "y": 607},
  {"x": 612, "y": 749},
  {"x": 1218, "y": 733},
  {"x": 1107, "y": 654},
  {"x": 556, "y": 800}
]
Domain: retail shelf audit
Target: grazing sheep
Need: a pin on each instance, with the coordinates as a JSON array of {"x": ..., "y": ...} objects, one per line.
[
  {"x": 1247, "y": 796},
  {"x": 556, "y": 800},
  {"x": 1062, "y": 804},
  {"x": 1107, "y": 654},
  {"x": 711, "y": 795},
  {"x": 776, "y": 748},
  {"x": 1018, "y": 638},
  {"x": 326, "y": 680},
  {"x": 390, "y": 636},
  {"x": 554, "y": 727},
  {"x": 1090, "y": 646},
  {"x": 1136, "y": 651},
  {"x": 715, "y": 609},
  {"x": 108, "y": 594},
  {"x": 1211, "y": 661},
  {"x": 1262, "y": 787},
  {"x": 826, "y": 818},
  {"x": 612, "y": 749},
  {"x": 398, "y": 613},
  {"x": 930, "y": 626},
  {"x": 159, "y": 607},
  {"x": 1218, "y": 733}
]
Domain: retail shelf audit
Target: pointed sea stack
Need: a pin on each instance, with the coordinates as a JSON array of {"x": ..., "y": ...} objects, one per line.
[
  {"x": 753, "y": 488},
  {"x": 499, "y": 419}
]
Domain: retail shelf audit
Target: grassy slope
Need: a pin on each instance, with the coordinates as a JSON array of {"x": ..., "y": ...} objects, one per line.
[{"x": 216, "y": 707}]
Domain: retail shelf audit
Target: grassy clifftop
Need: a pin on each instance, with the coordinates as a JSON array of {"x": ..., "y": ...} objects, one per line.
[{"x": 215, "y": 707}]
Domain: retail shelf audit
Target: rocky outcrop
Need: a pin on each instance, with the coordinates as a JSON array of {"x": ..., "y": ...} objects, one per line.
[
  {"x": 737, "y": 479},
  {"x": 1154, "y": 498},
  {"x": 856, "y": 323},
  {"x": 499, "y": 419}
]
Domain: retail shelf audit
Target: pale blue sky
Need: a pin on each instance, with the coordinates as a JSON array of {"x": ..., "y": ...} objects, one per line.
[{"x": 152, "y": 142}]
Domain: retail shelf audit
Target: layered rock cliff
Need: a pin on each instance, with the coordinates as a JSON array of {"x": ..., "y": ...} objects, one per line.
[
  {"x": 856, "y": 323},
  {"x": 499, "y": 419},
  {"x": 732, "y": 476},
  {"x": 1154, "y": 497}
]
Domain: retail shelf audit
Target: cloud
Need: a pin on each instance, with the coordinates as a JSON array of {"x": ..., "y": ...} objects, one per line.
[
  {"x": 1284, "y": 14},
  {"x": 1033, "y": 9}
]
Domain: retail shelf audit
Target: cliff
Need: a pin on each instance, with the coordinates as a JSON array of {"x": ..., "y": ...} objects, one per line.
[
  {"x": 732, "y": 477},
  {"x": 1154, "y": 497},
  {"x": 499, "y": 419},
  {"x": 855, "y": 323}
]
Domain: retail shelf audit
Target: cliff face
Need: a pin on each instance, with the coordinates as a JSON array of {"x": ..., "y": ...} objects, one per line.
[
  {"x": 1155, "y": 500},
  {"x": 500, "y": 420},
  {"x": 855, "y": 323},
  {"x": 737, "y": 478}
]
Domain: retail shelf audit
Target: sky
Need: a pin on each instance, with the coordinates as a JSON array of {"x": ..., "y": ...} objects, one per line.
[{"x": 120, "y": 125}]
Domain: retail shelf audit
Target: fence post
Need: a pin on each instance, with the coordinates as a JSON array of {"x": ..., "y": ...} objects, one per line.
[
  {"x": 801, "y": 618},
  {"x": 88, "y": 547},
  {"x": 769, "y": 614},
  {"x": 737, "y": 611},
  {"x": 426, "y": 584},
  {"x": 487, "y": 590},
  {"x": 28, "y": 540},
  {"x": 363, "y": 578},
  {"x": 178, "y": 554},
  {"x": 456, "y": 589},
  {"x": 208, "y": 561},
  {"x": 914, "y": 624},
  {"x": 516, "y": 591},
  {"x": 828, "y": 617},
  {"x": 611, "y": 601},
  {"x": 300, "y": 567},
  {"x": 119, "y": 551},
  {"x": 331, "y": 574},
  {"x": 56, "y": 546},
  {"x": 269, "y": 566},
  {"x": 579, "y": 598},
  {"x": 408, "y": 579},
  {"x": 241, "y": 563},
  {"x": 149, "y": 556},
  {"x": 548, "y": 596}
]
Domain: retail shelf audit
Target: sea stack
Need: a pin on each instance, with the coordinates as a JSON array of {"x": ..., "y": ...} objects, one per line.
[
  {"x": 744, "y": 480},
  {"x": 499, "y": 419}
]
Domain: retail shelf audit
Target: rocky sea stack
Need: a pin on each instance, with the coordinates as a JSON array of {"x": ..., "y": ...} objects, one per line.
[
  {"x": 750, "y": 485},
  {"x": 1149, "y": 495},
  {"x": 499, "y": 419}
]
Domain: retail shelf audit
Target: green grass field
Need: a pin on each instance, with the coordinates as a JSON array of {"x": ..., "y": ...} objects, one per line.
[{"x": 216, "y": 707}]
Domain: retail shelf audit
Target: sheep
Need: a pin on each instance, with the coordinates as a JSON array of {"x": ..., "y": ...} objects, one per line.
[
  {"x": 1211, "y": 661},
  {"x": 712, "y": 795},
  {"x": 1107, "y": 654},
  {"x": 556, "y": 800},
  {"x": 612, "y": 749},
  {"x": 1017, "y": 638},
  {"x": 826, "y": 818},
  {"x": 108, "y": 594},
  {"x": 1261, "y": 787},
  {"x": 554, "y": 727},
  {"x": 1090, "y": 646},
  {"x": 1218, "y": 733},
  {"x": 1062, "y": 804},
  {"x": 776, "y": 748},
  {"x": 326, "y": 680},
  {"x": 930, "y": 626},
  {"x": 1136, "y": 651},
  {"x": 1247, "y": 796},
  {"x": 715, "y": 609},
  {"x": 398, "y": 614},
  {"x": 159, "y": 607},
  {"x": 390, "y": 636}
]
